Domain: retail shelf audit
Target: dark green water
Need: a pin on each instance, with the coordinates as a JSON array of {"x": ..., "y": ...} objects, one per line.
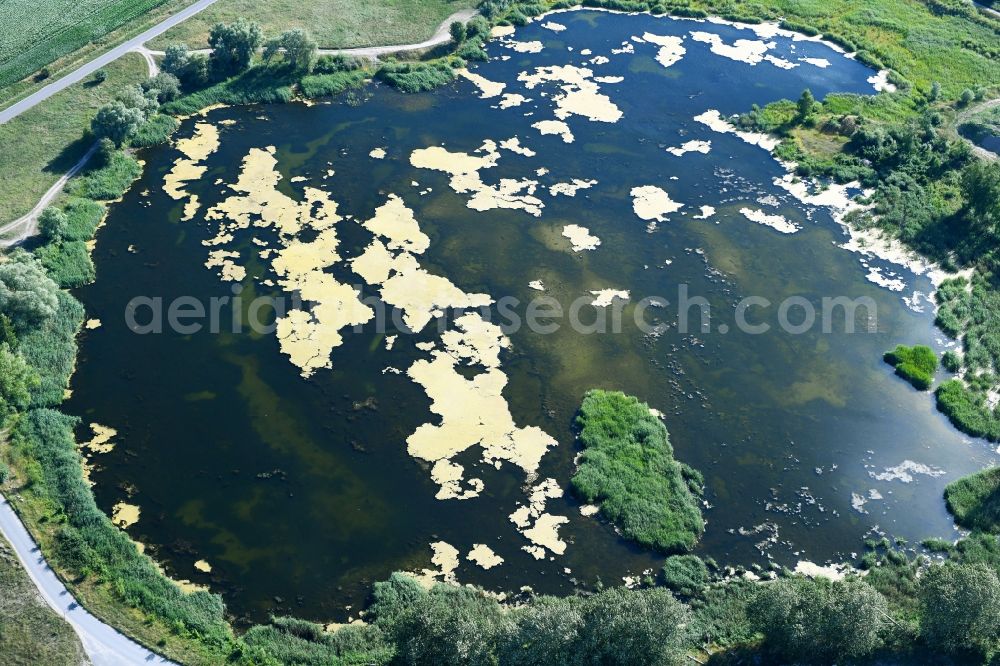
[{"x": 300, "y": 493}]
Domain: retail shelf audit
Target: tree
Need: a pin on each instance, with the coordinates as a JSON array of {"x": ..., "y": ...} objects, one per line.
[
  {"x": 685, "y": 574},
  {"x": 622, "y": 626},
  {"x": 935, "y": 92},
  {"x": 27, "y": 294},
  {"x": 166, "y": 87},
  {"x": 100, "y": 76},
  {"x": 981, "y": 188},
  {"x": 966, "y": 98},
  {"x": 17, "y": 379},
  {"x": 117, "y": 122},
  {"x": 7, "y": 334},
  {"x": 53, "y": 223},
  {"x": 447, "y": 625},
  {"x": 137, "y": 97},
  {"x": 806, "y": 104},
  {"x": 233, "y": 45},
  {"x": 477, "y": 27},
  {"x": 960, "y": 608},
  {"x": 191, "y": 69},
  {"x": 296, "y": 47},
  {"x": 546, "y": 631},
  {"x": 175, "y": 60},
  {"x": 457, "y": 30},
  {"x": 820, "y": 620}
]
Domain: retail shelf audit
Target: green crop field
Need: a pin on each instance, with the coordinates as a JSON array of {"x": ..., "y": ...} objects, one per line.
[{"x": 33, "y": 33}]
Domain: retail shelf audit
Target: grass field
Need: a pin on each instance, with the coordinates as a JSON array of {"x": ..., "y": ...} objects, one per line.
[
  {"x": 30, "y": 631},
  {"x": 333, "y": 23},
  {"x": 43, "y": 143},
  {"x": 33, "y": 33}
]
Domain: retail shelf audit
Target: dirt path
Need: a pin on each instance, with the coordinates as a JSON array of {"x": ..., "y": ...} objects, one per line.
[{"x": 30, "y": 221}]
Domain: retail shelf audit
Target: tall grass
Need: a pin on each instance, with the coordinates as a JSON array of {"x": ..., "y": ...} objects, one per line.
[{"x": 627, "y": 467}]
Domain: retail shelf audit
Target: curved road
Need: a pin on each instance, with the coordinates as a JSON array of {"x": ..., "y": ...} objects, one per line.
[{"x": 103, "y": 644}]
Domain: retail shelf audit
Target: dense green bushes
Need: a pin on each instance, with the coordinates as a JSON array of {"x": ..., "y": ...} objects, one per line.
[
  {"x": 820, "y": 621},
  {"x": 685, "y": 574},
  {"x": 412, "y": 77},
  {"x": 108, "y": 181},
  {"x": 628, "y": 468},
  {"x": 974, "y": 500},
  {"x": 967, "y": 409},
  {"x": 154, "y": 131},
  {"x": 321, "y": 85},
  {"x": 67, "y": 262},
  {"x": 916, "y": 364}
]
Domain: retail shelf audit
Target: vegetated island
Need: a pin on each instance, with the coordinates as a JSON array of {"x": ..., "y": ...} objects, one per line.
[
  {"x": 974, "y": 500},
  {"x": 628, "y": 469},
  {"x": 916, "y": 364}
]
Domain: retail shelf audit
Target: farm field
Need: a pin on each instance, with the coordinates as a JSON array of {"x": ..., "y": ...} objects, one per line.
[
  {"x": 36, "y": 33},
  {"x": 41, "y": 144},
  {"x": 333, "y": 23}
]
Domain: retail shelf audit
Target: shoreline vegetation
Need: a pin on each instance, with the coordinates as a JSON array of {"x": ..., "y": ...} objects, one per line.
[
  {"x": 627, "y": 468},
  {"x": 932, "y": 194},
  {"x": 916, "y": 364}
]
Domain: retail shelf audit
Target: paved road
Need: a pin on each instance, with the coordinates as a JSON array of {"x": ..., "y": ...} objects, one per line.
[
  {"x": 103, "y": 644},
  {"x": 30, "y": 220},
  {"x": 102, "y": 60}
]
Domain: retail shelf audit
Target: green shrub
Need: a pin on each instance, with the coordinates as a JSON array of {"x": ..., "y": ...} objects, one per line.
[
  {"x": 322, "y": 85},
  {"x": 974, "y": 500},
  {"x": 967, "y": 410},
  {"x": 472, "y": 50},
  {"x": 819, "y": 621},
  {"x": 916, "y": 364},
  {"x": 154, "y": 131},
  {"x": 685, "y": 574},
  {"x": 109, "y": 181},
  {"x": 331, "y": 64},
  {"x": 257, "y": 85},
  {"x": 951, "y": 361},
  {"x": 627, "y": 467},
  {"x": 50, "y": 348},
  {"x": 67, "y": 262},
  {"x": 293, "y": 641},
  {"x": 412, "y": 77}
]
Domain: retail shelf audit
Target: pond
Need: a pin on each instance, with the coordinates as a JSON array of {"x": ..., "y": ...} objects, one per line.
[{"x": 297, "y": 466}]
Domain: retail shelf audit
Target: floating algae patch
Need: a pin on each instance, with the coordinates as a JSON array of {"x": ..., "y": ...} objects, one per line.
[
  {"x": 196, "y": 150},
  {"x": 102, "y": 439},
  {"x": 650, "y": 202},
  {"x": 465, "y": 177},
  {"x": 580, "y": 94},
  {"x": 307, "y": 336},
  {"x": 580, "y": 237},
  {"x": 124, "y": 515},
  {"x": 484, "y": 556}
]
